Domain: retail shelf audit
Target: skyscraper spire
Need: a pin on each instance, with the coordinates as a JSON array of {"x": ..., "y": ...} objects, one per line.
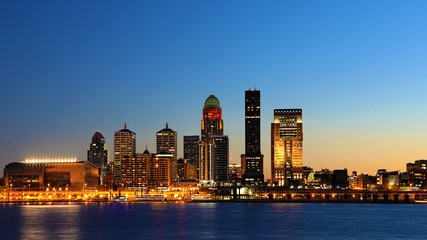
[
  {"x": 167, "y": 125},
  {"x": 125, "y": 126}
]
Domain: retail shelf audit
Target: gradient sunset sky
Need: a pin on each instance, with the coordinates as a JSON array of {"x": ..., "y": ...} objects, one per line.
[{"x": 358, "y": 69}]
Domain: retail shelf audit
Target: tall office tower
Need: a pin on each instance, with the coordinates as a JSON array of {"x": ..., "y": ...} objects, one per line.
[
  {"x": 286, "y": 146},
  {"x": 124, "y": 146},
  {"x": 166, "y": 141},
  {"x": 220, "y": 157},
  {"x": 253, "y": 174},
  {"x": 212, "y": 123},
  {"x": 191, "y": 149},
  {"x": 98, "y": 154}
]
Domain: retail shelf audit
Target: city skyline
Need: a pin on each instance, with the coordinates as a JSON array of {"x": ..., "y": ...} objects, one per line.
[{"x": 358, "y": 74}]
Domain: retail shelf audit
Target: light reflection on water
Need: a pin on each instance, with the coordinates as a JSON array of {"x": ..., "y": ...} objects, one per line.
[
  {"x": 212, "y": 220},
  {"x": 50, "y": 221}
]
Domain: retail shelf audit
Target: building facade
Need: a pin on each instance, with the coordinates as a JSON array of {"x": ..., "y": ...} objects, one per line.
[
  {"x": 134, "y": 171},
  {"x": 37, "y": 174},
  {"x": 286, "y": 146},
  {"x": 254, "y": 174},
  {"x": 124, "y": 146},
  {"x": 166, "y": 141},
  {"x": 98, "y": 155},
  {"x": 206, "y": 161},
  {"x": 220, "y": 157},
  {"x": 147, "y": 170}
]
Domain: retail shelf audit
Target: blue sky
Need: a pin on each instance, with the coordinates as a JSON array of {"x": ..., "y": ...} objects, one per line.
[{"x": 356, "y": 68}]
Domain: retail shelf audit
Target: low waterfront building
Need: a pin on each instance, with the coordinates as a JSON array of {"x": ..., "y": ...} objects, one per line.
[
  {"x": 234, "y": 172},
  {"x": 388, "y": 180},
  {"x": 37, "y": 174}
]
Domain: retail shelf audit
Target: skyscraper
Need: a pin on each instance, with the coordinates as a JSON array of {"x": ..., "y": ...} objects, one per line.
[
  {"x": 191, "y": 149},
  {"x": 124, "y": 146},
  {"x": 253, "y": 165},
  {"x": 98, "y": 154},
  {"x": 212, "y": 123},
  {"x": 286, "y": 146},
  {"x": 213, "y": 148},
  {"x": 166, "y": 141}
]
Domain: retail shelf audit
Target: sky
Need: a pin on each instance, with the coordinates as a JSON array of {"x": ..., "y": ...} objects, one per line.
[{"x": 356, "y": 68}]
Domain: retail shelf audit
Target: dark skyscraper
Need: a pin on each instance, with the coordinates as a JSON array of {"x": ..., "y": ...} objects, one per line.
[
  {"x": 98, "y": 154},
  {"x": 212, "y": 123},
  {"x": 253, "y": 174},
  {"x": 191, "y": 149},
  {"x": 220, "y": 159}
]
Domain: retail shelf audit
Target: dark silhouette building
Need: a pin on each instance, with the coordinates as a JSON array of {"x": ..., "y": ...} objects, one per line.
[
  {"x": 191, "y": 149},
  {"x": 253, "y": 165},
  {"x": 98, "y": 154},
  {"x": 220, "y": 159}
]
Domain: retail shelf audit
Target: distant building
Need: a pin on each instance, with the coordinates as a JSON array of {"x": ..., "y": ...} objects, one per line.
[
  {"x": 124, "y": 146},
  {"x": 388, "y": 180},
  {"x": 190, "y": 171},
  {"x": 340, "y": 179},
  {"x": 191, "y": 149},
  {"x": 286, "y": 146},
  {"x": 180, "y": 168},
  {"x": 37, "y": 174},
  {"x": 166, "y": 141},
  {"x": 234, "y": 172},
  {"x": 98, "y": 154},
  {"x": 253, "y": 174},
  {"x": 328, "y": 179},
  {"x": 417, "y": 174},
  {"x": 361, "y": 181}
]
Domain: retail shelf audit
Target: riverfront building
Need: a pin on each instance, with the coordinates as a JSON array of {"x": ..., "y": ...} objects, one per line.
[
  {"x": 38, "y": 174},
  {"x": 286, "y": 146}
]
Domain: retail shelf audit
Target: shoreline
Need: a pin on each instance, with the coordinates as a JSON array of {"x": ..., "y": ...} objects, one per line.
[{"x": 216, "y": 201}]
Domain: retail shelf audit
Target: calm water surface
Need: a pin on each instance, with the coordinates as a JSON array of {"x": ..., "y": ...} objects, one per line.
[{"x": 213, "y": 220}]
